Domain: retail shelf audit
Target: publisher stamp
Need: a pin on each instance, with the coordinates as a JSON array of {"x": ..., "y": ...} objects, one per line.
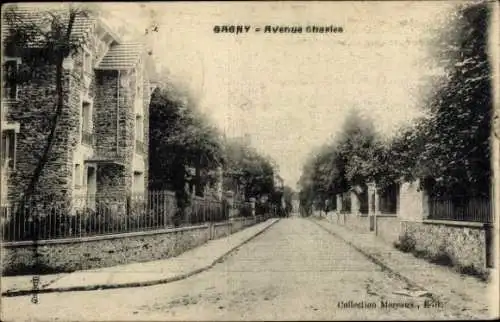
[{"x": 389, "y": 305}]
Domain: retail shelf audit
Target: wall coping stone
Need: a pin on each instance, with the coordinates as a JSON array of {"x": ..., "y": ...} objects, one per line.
[
  {"x": 238, "y": 218},
  {"x": 224, "y": 223},
  {"x": 387, "y": 215},
  {"x": 451, "y": 223},
  {"x": 98, "y": 238}
]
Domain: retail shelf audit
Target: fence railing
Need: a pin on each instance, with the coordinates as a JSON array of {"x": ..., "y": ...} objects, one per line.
[
  {"x": 475, "y": 209},
  {"x": 388, "y": 204},
  {"x": 104, "y": 214},
  {"x": 346, "y": 202}
]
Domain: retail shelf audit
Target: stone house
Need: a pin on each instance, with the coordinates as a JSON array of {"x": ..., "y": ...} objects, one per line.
[{"x": 101, "y": 141}]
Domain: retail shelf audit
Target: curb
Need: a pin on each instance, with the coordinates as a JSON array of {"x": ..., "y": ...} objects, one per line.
[
  {"x": 372, "y": 258},
  {"x": 137, "y": 284}
]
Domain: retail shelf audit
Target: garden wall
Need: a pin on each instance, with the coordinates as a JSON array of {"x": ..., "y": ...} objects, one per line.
[
  {"x": 462, "y": 244},
  {"x": 221, "y": 229},
  {"x": 67, "y": 255},
  {"x": 388, "y": 228},
  {"x": 356, "y": 222}
]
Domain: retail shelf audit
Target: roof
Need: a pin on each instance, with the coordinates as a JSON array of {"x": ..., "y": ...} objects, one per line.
[
  {"x": 42, "y": 15},
  {"x": 122, "y": 56}
]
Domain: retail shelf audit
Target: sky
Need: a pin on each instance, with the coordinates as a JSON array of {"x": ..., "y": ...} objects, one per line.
[{"x": 291, "y": 92}]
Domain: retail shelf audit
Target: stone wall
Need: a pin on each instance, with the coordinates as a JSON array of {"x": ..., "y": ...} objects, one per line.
[
  {"x": 103, "y": 251},
  {"x": 33, "y": 110},
  {"x": 237, "y": 224},
  {"x": 221, "y": 229},
  {"x": 388, "y": 228},
  {"x": 463, "y": 242},
  {"x": 126, "y": 128},
  {"x": 356, "y": 222},
  {"x": 105, "y": 114}
]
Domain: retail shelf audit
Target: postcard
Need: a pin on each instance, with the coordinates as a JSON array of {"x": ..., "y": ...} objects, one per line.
[{"x": 253, "y": 160}]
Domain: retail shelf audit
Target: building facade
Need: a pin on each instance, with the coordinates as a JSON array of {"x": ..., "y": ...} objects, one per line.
[{"x": 101, "y": 140}]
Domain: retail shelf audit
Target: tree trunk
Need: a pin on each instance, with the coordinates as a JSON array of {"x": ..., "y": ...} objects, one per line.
[{"x": 59, "y": 53}]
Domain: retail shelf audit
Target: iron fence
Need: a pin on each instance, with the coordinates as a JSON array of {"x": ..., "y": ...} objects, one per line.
[
  {"x": 461, "y": 209},
  {"x": 243, "y": 208},
  {"x": 388, "y": 202},
  {"x": 104, "y": 214},
  {"x": 346, "y": 202}
]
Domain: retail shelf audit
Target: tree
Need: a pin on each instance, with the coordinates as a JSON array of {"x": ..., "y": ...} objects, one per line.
[
  {"x": 321, "y": 178},
  {"x": 359, "y": 147},
  {"x": 248, "y": 169},
  {"x": 454, "y": 142},
  {"x": 180, "y": 138},
  {"x": 288, "y": 194},
  {"x": 356, "y": 157}
]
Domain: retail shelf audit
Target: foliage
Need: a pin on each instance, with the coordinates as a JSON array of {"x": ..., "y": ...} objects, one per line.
[
  {"x": 406, "y": 243},
  {"x": 448, "y": 148},
  {"x": 248, "y": 169},
  {"x": 180, "y": 138},
  {"x": 356, "y": 157},
  {"x": 358, "y": 148},
  {"x": 288, "y": 195},
  {"x": 457, "y": 152}
]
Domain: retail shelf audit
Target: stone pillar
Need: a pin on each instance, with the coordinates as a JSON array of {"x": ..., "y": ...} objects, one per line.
[
  {"x": 371, "y": 198},
  {"x": 230, "y": 203},
  {"x": 373, "y": 205},
  {"x": 252, "y": 205},
  {"x": 354, "y": 203},
  {"x": 413, "y": 203},
  {"x": 220, "y": 177},
  {"x": 338, "y": 200}
]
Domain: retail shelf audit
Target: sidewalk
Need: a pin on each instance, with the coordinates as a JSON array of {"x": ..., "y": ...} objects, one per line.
[
  {"x": 137, "y": 274},
  {"x": 442, "y": 282}
]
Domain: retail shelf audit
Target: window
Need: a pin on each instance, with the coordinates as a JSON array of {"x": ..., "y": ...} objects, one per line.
[
  {"x": 86, "y": 130},
  {"x": 90, "y": 180},
  {"x": 9, "y": 149},
  {"x": 86, "y": 116},
  {"x": 10, "y": 77},
  {"x": 77, "y": 175}
]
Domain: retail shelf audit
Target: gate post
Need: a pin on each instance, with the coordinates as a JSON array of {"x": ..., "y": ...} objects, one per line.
[{"x": 372, "y": 206}]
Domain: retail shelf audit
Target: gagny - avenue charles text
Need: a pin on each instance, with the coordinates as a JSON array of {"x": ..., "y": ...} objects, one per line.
[{"x": 275, "y": 29}]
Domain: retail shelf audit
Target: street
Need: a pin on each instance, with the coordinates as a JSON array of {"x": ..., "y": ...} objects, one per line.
[{"x": 293, "y": 271}]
